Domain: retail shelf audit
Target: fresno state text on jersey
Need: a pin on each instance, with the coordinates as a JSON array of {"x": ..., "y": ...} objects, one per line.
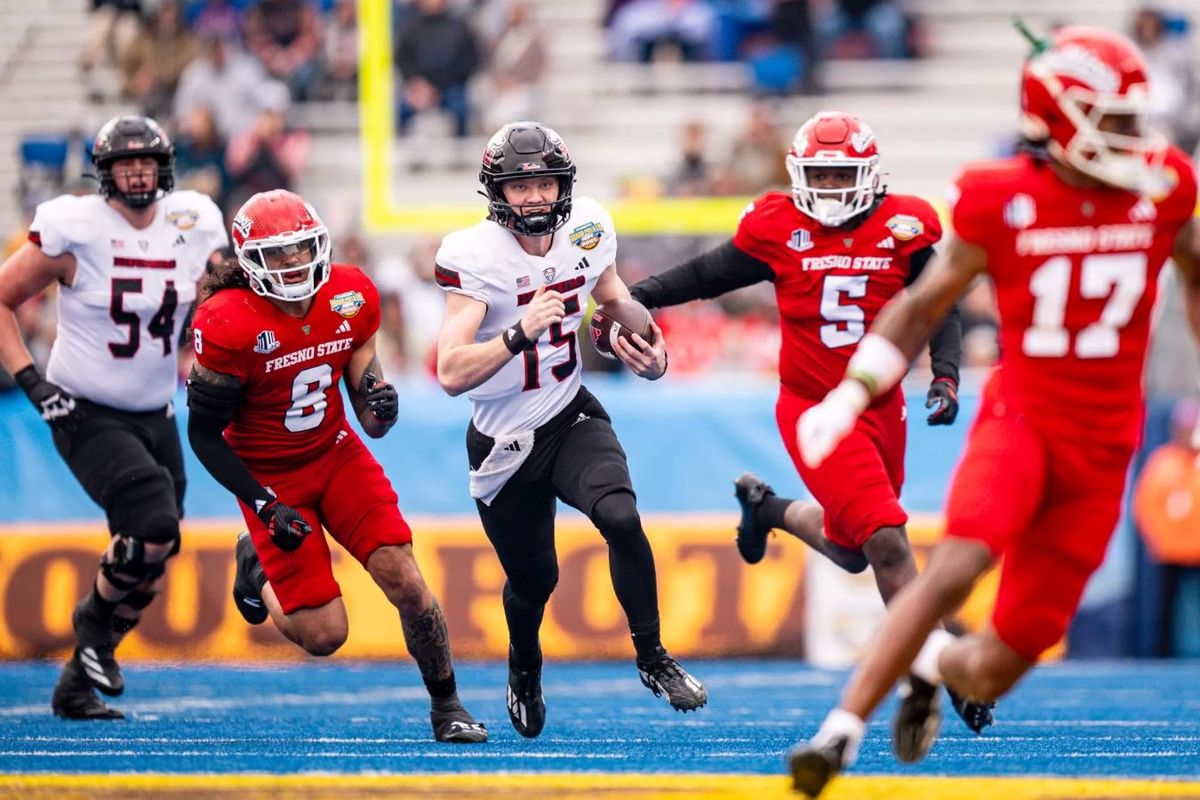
[
  {"x": 1076, "y": 275},
  {"x": 119, "y": 320},
  {"x": 486, "y": 262},
  {"x": 292, "y": 408},
  {"x": 831, "y": 282}
]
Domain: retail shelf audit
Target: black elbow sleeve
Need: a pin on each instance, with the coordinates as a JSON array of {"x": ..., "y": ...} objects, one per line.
[{"x": 213, "y": 403}]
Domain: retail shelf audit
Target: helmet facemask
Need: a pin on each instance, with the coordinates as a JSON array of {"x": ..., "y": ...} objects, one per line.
[
  {"x": 540, "y": 224},
  {"x": 274, "y": 271},
  {"x": 1123, "y": 160},
  {"x": 164, "y": 182},
  {"x": 834, "y": 207}
]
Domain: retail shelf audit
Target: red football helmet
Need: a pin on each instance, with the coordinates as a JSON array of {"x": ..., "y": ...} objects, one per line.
[
  {"x": 282, "y": 245},
  {"x": 834, "y": 139},
  {"x": 1085, "y": 75}
]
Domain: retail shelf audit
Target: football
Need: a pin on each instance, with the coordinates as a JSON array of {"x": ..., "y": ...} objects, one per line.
[{"x": 619, "y": 318}]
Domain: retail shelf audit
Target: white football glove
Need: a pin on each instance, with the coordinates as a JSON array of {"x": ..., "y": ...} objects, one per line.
[{"x": 823, "y": 427}]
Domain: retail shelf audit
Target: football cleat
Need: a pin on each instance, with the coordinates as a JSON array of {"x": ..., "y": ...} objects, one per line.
[
  {"x": 918, "y": 720},
  {"x": 453, "y": 723},
  {"x": 74, "y": 699},
  {"x": 663, "y": 675},
  {"x": 246, "y": 596},
  {"x": 94, "y": 635},
  {"x": 976, "y": 713},
  {"x": 813, "y": 767},
  {"x": 751, "y": 536},
  {"x": 526, "y": 704}
]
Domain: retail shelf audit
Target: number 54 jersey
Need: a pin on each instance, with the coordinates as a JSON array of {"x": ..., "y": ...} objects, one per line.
[
  {"x": 1076, "y": 273},
  {"x": 832, "y": 282},
  {"x": 289, "y": 367}
]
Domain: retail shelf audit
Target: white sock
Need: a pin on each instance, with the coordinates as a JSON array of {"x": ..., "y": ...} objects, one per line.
[
  {"x": 925, "y": 665},
  {"x": 840, "y": 722}
]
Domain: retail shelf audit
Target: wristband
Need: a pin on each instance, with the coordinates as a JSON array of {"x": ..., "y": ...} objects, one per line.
[
  {"x": 877, "y": 363},
  {"x": 515, "y": 339},
  {"x": 27, "y": 378}
]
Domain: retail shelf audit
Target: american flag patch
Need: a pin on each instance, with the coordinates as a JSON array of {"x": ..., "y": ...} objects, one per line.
[{"x": 523, "y": 282}]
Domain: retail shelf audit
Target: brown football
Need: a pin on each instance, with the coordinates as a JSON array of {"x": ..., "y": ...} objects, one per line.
[{"x": 622, "y": 318}]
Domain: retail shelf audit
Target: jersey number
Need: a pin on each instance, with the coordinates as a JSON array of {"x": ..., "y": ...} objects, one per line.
[
  {"x": 1121, "y": 277},
  {"x": 308, "y": 398},
  {"x": 161, "y": 325},
  {"x": 558, "y": 338},
  {"x": 847, "y": 323}
]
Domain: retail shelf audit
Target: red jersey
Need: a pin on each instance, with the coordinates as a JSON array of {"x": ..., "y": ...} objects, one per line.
[
  {"x": 1076, "y": 274},
  {"x": 292, "y": 408},
  {"x": 830, "y": 283}
]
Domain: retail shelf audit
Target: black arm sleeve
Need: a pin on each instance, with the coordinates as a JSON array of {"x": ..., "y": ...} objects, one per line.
[
  {"x": 945, "y": 347},
  {"x": 210, "y": 409},
  {"x": 710, "y": 274}
]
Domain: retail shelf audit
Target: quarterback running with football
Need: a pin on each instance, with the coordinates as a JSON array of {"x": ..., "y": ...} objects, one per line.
[
  {"x": 274, "y": 334},
  {"x": 1074, "y": 234},
  {"x": 127, "y": 262},
  {"x": 518, "y": 284},
  {"x": 837, "y": 248}
]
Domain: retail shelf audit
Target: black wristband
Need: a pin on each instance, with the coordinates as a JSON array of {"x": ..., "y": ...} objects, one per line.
[
  {"x": 515, "y": 339},
  {"x": 27, "y": 378}
]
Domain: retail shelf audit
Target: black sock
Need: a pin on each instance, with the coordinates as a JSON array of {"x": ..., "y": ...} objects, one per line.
[
  {"x": 771, "y": 511},
  {"x": 647, "y": 640},
  {"x": 443, "y": 690}
]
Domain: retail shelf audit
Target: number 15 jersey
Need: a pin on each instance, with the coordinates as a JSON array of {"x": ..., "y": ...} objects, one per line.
[
  {"x": 486, "y": 262},
  {"x": 1076, "y": 274}
]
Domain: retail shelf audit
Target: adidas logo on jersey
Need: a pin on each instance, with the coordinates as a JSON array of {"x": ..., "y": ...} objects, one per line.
[
  {"x": 887, "y": 244},
  {"x": 344, "y": 327}
]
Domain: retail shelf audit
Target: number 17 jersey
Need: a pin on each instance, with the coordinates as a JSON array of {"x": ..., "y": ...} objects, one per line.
[{"x": 1076, "y": 274}]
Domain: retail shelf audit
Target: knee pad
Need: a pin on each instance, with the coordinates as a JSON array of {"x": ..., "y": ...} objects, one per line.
[
  {"x": 142, "y": 506},
  {"x": 127, "y": 568},
  {"x": 617, "y": 517}
]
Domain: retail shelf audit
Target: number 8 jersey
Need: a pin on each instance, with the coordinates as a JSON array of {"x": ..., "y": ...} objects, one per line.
[
  {"x": 486, "y": 262},
  {"x": 1076, "y": 274},
  {"x": 289, "y": 367}
]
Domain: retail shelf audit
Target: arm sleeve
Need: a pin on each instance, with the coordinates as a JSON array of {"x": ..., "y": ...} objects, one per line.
[
  {"x": 945, "y": 347},
  {"x": 205, "y": 434},
  {"x": 710, "y": 274}
]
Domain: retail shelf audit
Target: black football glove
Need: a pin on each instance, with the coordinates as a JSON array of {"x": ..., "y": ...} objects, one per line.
[
  {"x": 943, "y": 393},
  {"x": 285, "y": 525},
  {"x": 53, "y": 402},
  {"x": 382, "y": 399}
]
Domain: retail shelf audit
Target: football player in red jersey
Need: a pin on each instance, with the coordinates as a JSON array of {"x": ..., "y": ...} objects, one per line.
[
  {"x": 837, "y": 248},
  {"x": 273, "y": 336},
  {"x": 1074, "y": 235}
]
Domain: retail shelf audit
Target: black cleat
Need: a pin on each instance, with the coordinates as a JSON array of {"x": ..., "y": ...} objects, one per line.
[
  {"x": 976, "y": 713},
  {"x": 813, "y": 767},
  {"x": 526, "y": 705},
  {"x": 246, "y": 596},
  {"x": 94, "y": 635},
  {"x": 751, "y": 536},
  {"x": 74, "y": 698},
  {"x": 918, "y": 720},
  {"x": 456, "y": 725},
  {"x": 663, "y": 675}
]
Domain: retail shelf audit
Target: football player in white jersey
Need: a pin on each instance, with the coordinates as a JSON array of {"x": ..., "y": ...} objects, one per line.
[
  {"x": 518, "y": 284},
  {"x": 127, "y": 262}
]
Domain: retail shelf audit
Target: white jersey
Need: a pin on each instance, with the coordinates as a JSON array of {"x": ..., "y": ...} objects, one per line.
[
  {"x": 119, "y": 321},
  {"x": 486, "y": 262}
]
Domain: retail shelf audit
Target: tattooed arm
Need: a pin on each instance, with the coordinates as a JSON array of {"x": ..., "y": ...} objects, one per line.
[{"x": 375, "y": 402}]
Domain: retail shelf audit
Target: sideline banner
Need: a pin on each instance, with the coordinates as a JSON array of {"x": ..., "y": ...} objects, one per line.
[{"x": 712, "y": 603}]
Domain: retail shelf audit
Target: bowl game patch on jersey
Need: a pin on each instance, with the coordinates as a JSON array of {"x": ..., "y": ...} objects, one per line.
[
  {"x": 587, "y": 236},
  {"x": 905, "y": 227},
  {"x": 348, "y": 304}
]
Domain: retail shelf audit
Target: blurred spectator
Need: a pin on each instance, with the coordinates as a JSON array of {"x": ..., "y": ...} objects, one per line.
[
  {"x": 736, "y": 22},
  {"x": 756, "y": 160},
  {"x": 789, "y": 61},
  {"x": 152, "y": 66},
  {"x": 420, "y": 305},
  {"x": 1166, "y": 507},
  {"x": 225, "y": 80},
  {"x": 436, "y": 54},
  {"x": 285, "y": 35},
  {"x": 518, "y": 60},
  {"x": 339, "y": 80},
  {"x": 864, "y": 29},
  {"x": 200, "y": 156},
  {"x": 640, "y": 27},
  {"x": 218, "y": 18},
  {"x": 1172, "y": 70},
  {"x": 268, "y": 155},
  {"x": 691, "y": 176},
  {"x": 112, "y": 29}
]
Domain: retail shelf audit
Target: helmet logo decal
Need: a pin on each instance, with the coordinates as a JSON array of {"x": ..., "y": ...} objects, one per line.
[
  {"x": 1081, "y": 64},
  {"x": 861, "y": 139},
  {"x": 242, "y": 225}
]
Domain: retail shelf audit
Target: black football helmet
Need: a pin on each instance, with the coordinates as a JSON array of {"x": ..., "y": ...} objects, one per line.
[
  {"x": 522, "y": 150},
  {"x": 128, "y": 137}
]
